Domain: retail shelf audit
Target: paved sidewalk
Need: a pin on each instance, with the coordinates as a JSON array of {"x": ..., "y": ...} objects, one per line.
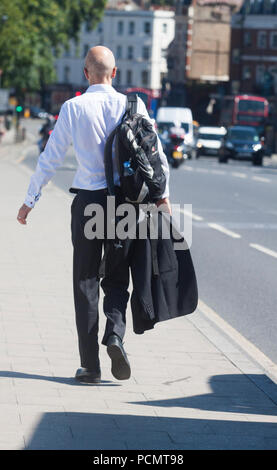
[{"x": 191, "y": 387}]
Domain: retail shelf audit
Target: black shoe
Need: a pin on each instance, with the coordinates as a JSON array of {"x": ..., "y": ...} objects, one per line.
[
  {"x": 86, "y": 376},
  {"x": 121, "y": 369}
]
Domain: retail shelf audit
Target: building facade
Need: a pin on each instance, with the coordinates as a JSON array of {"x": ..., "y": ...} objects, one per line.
[
  {"x": 253, "y": 58},
  {"x": 139, "y": 40}
]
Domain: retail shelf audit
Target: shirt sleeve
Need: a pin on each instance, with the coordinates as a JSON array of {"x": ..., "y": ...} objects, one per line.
[
  {"x": 142, "y": 110},
  {"x": 51, "y": 158}
]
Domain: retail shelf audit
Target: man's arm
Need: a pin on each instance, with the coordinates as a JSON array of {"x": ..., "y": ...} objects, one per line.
[
  {"x": 49, "y": 160},
  {"x": 164, "y": 201}
]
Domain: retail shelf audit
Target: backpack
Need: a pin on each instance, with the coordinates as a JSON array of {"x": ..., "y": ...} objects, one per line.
[{"x": 142, "y": 179}]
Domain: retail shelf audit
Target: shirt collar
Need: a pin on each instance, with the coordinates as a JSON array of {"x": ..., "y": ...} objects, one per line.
[{"x": 100, "y": 87}]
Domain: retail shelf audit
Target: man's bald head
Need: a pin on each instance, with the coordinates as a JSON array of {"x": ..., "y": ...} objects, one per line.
[{"x": 100, "y": 64}]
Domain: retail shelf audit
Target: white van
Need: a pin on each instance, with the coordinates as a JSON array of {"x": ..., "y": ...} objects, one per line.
[
  {"x": 209, "y": 140},
  {"x": 177, "y": 117}
]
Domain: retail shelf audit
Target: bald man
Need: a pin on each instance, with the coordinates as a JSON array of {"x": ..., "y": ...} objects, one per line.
[{"x": 86, "y": 121}]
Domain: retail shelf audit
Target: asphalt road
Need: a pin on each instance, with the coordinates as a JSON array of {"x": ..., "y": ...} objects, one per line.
[{"x": 234, "y": 238}]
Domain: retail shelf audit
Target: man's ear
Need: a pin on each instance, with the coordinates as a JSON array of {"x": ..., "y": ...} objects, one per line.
[
  {"x": 86, "y": 73},
  {"x": 114, "y": 72}
]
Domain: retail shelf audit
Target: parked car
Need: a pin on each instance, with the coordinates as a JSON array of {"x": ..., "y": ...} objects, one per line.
[
  {"x": 37, "y": 112},
  {"x": 168, "y": 117},
  {"x": 209, "y": 140},
  {"x": 242, "y": 143}
]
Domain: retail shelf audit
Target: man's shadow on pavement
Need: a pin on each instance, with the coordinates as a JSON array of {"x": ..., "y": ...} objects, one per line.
[
  {"x": 62, "y": 380},
  {"x": 131, "y": 430},
  {"x": 251, "y": 394}
]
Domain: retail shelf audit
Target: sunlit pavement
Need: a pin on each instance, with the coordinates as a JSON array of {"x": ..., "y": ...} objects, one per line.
[{"x": 192, "y": 385}]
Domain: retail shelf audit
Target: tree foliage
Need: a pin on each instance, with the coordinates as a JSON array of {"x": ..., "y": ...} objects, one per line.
[
  {"x": 170, "y": 3},
  {"x": 32, "y": 32}
]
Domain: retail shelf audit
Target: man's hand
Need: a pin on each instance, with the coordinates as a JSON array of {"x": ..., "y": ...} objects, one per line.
[
  {"x": 164, "y": 202},
  {"x": 23, "y": 213}
]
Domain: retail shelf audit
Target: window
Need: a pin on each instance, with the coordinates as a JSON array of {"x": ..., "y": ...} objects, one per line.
[
  {"x": 100, "y": 28},
  {"x": 88, "y": 26},
  {"x": 246, "y": 72},
  {"x": 120, "y": 28},
  {"x": 260, "y": 73},
  {"x": 144, "y": 77},
  {"x": 235, "y": 56},
  {"x": 131, "y": 27},
  {"x": 147, "y": 27},
  {"x": 67, "y": 52},
  {"x": 119, "y": 52},
  {"x": 262, "y": 40},
  {"x": 85, "y": 50},
  {"x": 273, "y": 40},
  {"x": 130, "y": 52},
  {"x": 247, "y": 38},
  {"x": 66, "y": 74},
  {"x": 129, "y": 77},
  {"x": 146, "y": 52},
  {"x": 164, "y": 28},
  {"x": 164, "y": 53}
]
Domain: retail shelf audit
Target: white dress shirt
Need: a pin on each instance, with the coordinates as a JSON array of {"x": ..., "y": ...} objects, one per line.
[{"x": 85, "y": 121}]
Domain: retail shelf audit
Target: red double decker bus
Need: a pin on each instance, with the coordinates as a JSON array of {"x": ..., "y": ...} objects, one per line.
[
  {"x": 250, "y": 110},
  {"x": 244, "y": 110}
]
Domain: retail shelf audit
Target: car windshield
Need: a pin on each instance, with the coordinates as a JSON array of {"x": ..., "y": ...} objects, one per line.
[
  {"x": 245, "y": 135},
  {"x": 164, "y": 126},
  {"x": 251, "y": 106},
  {"x": 185, "y": 126},
  {"x": 210, "y": 136}
]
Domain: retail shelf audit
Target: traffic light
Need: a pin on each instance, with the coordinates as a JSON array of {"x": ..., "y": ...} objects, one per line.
[
  {"x": 19, "y": 109},
  {"x": 78, "y": 93}
]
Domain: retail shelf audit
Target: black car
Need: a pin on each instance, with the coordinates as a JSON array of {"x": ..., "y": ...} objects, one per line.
[{"x": 242, "y": 143}]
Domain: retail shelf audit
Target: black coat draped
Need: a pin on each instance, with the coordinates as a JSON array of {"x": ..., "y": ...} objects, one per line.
[{"x": 164, "y": 284}]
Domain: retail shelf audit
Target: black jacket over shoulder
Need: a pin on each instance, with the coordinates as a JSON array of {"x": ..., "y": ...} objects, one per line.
[{"x": 163, "y": 277}]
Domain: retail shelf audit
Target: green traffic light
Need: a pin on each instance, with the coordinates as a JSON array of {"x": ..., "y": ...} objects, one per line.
[{"x": 19, "y": 109}]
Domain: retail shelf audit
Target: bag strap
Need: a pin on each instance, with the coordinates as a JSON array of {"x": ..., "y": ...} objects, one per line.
[
  {"x": 132, "y": 103},
  {"x": 108, "y": 162}
]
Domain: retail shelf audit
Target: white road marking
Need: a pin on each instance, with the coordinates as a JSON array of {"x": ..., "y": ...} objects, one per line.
[
  {"x": 188, "y": 168},
  {"x": 255, "y": 353},
  {"x": 239, "y": 175},
  {"x": 263, "y": 249},
  {"x": 224, "y": 230},
  {"x": 218, "y": 172},
  {"x": 260, "y": 178},
  {"x": 195, "y": 217}
]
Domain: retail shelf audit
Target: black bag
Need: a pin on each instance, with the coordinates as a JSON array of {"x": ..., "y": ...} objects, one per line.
[{"x": 142, "y": 179}]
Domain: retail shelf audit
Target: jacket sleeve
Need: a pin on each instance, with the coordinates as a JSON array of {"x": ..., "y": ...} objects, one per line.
[
  {"x": 141, "y": 109},
  {"x": 51, "y": 158}
]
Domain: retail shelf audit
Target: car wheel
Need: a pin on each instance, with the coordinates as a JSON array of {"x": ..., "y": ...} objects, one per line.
[
  {"x": 222, "y": 159},
  {"x": 257, "y": 162}
]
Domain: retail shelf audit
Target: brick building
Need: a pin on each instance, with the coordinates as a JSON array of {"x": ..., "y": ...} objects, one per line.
[{"x": 253, "y": 58}]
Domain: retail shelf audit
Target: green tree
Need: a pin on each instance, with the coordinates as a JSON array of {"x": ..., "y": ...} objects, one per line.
[{"x": 33, "y": 32}]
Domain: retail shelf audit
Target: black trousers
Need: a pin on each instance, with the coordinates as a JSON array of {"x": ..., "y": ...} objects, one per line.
[{"x": 87, "y": 255}]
